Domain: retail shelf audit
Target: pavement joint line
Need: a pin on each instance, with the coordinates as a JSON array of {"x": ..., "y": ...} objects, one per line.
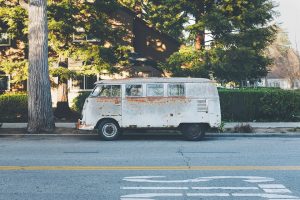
[{"x": 149, "y": 168}]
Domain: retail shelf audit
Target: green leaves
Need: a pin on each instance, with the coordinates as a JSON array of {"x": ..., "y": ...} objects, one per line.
[
  {"x": 66, "y": 19},
  {"x": 239, "y": 32},
  {"x": 188, "y": 62}
]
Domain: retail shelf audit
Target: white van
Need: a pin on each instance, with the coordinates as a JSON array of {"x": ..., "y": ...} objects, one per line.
[{"x": 189, "y": 104}]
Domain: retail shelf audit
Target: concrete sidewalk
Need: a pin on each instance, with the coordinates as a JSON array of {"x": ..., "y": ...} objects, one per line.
[
  {"x": 229, "y": 125},
  {"x": 265, "y": 124},
  {"x": 260, "y": 129},
  {"x": 24, "y": 125}
]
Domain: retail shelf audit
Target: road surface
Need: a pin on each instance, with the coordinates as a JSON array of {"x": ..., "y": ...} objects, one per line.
[{"x": 149, "y": 168}]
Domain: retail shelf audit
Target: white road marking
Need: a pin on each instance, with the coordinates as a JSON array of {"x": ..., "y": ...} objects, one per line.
[
  {"x": 154, "y": 188},
  {"x": 272, "y": 191},
  {"x": 151, "y": 195},
  {"x": 149, "y": 179},
  {"x": 136, "y": 199},
  {"x": 225, "y": 188},
  {"x": 271, "y": 186},
  {"x": 277, "y": 191},
  {"x": 274, "y": 196},
  {"x": 208, "y": 194},
  {"x": 186, "y": 188}
]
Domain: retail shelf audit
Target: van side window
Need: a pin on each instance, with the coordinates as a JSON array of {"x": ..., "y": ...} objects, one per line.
[
  {"x": 155, "y": 90},
  {"x": 134, "y": 90},
  {"x": 104, "y": 91},
  {"x": 107, "y": 91},
  {"x": 176, "y": 90},
  {"x": 115, "y": 90}
]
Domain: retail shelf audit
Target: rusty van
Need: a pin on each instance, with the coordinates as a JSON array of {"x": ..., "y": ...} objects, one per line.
[{"x": 190, "y": 104}]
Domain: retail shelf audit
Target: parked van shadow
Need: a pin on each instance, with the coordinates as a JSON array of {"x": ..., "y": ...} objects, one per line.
[{"x": 171, "y": 135}]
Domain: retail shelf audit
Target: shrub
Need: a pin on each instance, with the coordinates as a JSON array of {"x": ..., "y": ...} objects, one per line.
[
  {"x": 79, "y": 101},
  {"x": 13, "y": 108},
  {"x": 259, "y": 105},
  {"x": 243, "y": 128}
]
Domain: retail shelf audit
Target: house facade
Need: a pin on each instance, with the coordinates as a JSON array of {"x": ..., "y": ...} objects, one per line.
[
  {"x": 285, "y": 71},
  {"x": 150, "y": 46}
]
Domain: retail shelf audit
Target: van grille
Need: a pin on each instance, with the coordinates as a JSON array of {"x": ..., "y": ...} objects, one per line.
[{"x": 201, "y": 106}]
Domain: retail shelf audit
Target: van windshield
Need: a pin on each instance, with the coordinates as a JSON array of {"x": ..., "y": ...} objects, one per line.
[{"x": 106, "y": 91}]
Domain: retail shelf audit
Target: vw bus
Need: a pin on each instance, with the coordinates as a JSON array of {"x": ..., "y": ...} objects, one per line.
[{"x": 188, "y": 104}]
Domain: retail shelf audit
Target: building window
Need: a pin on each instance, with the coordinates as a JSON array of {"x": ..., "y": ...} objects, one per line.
[
  {"x": 176, "y": 90},
  {"x": 4, "y": 83},
  {"x": 5, "y": 40},
  {"x": 84, "y": 82},
  {"x": 155, "y": 90},
  {"x": 134, "y": 90},
  {"x": 276, "y": 84}
]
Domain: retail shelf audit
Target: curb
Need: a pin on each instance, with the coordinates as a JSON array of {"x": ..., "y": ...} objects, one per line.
[
  {"x": 228, "y": 125},
  {"x": 264, "y": 124},
  {"x": 267, "y": 129},
  {"x": 24, "y": 125}
]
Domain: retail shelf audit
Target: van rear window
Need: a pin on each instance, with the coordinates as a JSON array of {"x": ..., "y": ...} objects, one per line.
[
  {"x": 134, "y": 90},
  {"x": 176, "y": 90}
]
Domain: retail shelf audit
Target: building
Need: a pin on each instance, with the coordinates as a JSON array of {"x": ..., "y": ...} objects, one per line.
[
  {"x": 150, "y": 47},
  {"x": 285, "y": 71}
]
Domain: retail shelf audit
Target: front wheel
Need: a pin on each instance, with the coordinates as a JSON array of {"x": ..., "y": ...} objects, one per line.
[
  {"x": 193, "y": 132},
  {"x": 108, "y": 130}
]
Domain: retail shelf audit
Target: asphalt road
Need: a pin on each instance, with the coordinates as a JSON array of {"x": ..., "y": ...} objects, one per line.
[{"x": 149, "y": 168}]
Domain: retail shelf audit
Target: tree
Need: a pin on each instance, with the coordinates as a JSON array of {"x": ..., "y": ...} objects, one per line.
[
  {"x": 231, "y": 36},
  {"x": 40, "y": 115},
  {"x": 241, "y": 32},
  {"x": 13, "y": 58},
  {"x": 167, "y": 16},
  {"x": 78, "y": 30}
]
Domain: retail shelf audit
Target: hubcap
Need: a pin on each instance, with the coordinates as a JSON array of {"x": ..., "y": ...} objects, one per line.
[{"x": 109, "y": 130}]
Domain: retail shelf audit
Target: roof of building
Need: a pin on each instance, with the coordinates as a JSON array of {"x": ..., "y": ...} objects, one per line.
[
  {"x": 140, "y": 20},
  {"x": 154, "y": 80}
]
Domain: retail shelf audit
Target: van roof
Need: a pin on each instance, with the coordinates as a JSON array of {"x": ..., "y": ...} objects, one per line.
[{"x": 154, "y": 80}]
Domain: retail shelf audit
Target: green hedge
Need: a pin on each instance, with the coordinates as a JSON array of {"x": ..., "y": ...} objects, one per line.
[
  {"x": 236, "y": 105},
  {"x": 260, "y": 105},
  {"x": 13, "y": 108}
]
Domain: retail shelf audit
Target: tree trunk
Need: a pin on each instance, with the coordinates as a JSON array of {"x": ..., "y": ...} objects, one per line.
[
  {"x": 40, "y": 114},
  {"x": 62, "y": 107},
  {"x": 200, "y": 36},
  {"x": 200, "y": 40}
]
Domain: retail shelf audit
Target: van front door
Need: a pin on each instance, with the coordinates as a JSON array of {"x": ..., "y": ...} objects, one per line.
[{"x": 107, "y": 102}]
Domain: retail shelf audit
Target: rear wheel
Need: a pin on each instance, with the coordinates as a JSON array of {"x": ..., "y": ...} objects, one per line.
[
  {"x": 193, "y": 132},
  {"x": 109, "y": 130}
]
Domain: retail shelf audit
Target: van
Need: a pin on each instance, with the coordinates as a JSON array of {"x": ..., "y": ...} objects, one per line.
[{"x": 189, "y": 104}]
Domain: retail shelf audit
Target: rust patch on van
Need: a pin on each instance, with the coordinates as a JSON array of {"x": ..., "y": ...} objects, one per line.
[
  {"x": 157, "y": 100},
  {"x": 115, "y": 100}
]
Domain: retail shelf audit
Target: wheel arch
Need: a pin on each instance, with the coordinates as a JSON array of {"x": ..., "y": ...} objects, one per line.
[
  {"x": 205, "y": 125},
  {"x": 108, "y": 119}
]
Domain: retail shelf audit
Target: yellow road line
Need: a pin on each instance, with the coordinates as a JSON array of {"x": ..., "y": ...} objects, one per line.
[{"x": 150, "y": 168}]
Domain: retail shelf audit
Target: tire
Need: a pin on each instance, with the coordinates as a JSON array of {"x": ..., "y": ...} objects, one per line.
[
  {"x": 193, "y": 132},
  {"x": 108, "y": 130}
]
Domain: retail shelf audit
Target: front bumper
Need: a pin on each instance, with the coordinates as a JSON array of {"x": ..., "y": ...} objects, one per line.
[{"x": 81, "y": 125}]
